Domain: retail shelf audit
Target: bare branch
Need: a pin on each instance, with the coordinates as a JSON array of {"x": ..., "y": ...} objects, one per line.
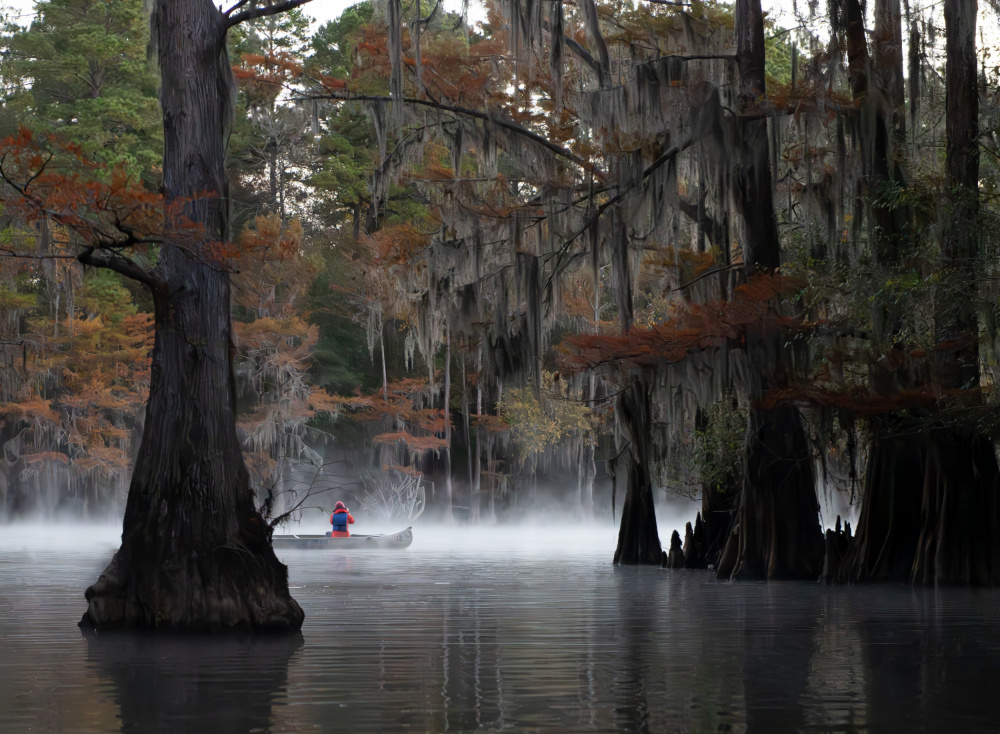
[
  {"x": 593, "y": 219},
  {"x": 261, "y": 11},
  {"x": 713, "y": 271},
  {"x": 236, "y": 7},
  {"x": 585, "y": 55},
  {"x": 117, "y": 262},
  {"x": 9, "y": 252},
  {"x": 506, "y": 124},
  {"x": 430, "y": 15}
]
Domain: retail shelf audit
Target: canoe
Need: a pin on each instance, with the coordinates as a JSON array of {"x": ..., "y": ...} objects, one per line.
[{"x": 389, "y": 541}]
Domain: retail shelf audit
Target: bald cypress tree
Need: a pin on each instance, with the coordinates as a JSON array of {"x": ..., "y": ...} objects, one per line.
[{"x": 195, "y": 551}]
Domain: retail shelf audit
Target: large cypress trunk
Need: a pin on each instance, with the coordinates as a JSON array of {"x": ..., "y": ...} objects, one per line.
[
  {"x": 195, "y": 553},
  {"x": 931, "y": 512},
  {"x": 930, "y": 507},
  {"x": 777, "y": 532}
]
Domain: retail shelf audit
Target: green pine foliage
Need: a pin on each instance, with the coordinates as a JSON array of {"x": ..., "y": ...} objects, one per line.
[{"x": 81, "y": 70}]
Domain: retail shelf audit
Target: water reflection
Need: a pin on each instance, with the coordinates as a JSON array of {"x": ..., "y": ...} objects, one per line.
[
  {"x": 193, "y": 684},
  {"x": 779, "y": 644},
  {"x": 936, "y": 670},
  {"x": 640, "y": 657},
  {"x": 441, "y": 640}
]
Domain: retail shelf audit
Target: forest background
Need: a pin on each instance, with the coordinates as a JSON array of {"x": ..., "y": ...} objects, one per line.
[
  {"x": 418, "y": 325},
  {"x": 323, "y": 331}
]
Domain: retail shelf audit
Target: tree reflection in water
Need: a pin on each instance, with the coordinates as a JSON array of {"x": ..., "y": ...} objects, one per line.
[{"x": 170, "y": 683}]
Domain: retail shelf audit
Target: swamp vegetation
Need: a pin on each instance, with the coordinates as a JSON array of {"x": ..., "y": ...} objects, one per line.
[{"x": 491, "y": 265}]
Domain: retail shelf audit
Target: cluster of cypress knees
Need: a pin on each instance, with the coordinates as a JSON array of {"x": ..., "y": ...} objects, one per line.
[{"x": 698, "y": 552}]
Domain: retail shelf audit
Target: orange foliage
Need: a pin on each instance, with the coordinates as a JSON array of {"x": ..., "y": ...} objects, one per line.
[
  {"x": 263, "y": 76},
  {"x": 416, "y": 444},
  {"x": 489, "y": 423},
  {"x": 859, "y": 402},
  {"x": 417, "y": 429},
  {"x": 452, "y": 72},
  {"x": 51, "y": 180},
  {"x": 44, "y": 456},
  {"x": 32, "y": 409},
  {"x": 269, "y": 240},
  {"x": 397, "y": 244},
  {"x": 693, "y": 327}
]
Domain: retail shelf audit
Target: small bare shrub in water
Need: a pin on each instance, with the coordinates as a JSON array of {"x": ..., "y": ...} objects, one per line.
[{"x": 393, "y": 495}]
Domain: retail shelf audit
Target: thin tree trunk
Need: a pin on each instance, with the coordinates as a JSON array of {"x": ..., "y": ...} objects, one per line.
[
  {"x": 70, "y": 308},
  {"x": 466, "y": 425},
  {"x": 195, "y": 553},
  {"x": 281, "y": 194},
  {"x": 888, "y": 74},
  {"x": 385, "y": 378},
  {"x": 956, "y": 310},
  {"x": 756, "y": 199},
  {"x": 477, "y": 475},
  {"x": 449, "y": 512},
  {"x": 272, "y": 174}
]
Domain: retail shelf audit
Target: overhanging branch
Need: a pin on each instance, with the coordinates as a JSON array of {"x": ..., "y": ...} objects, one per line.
[
  {"x": 584, "y": 55},
  {"x": 455, "y": 109},
  {"x": 592, "y": 220},
  {"x": 117, "y": 262},
  {"x": 259, "y": 11}
]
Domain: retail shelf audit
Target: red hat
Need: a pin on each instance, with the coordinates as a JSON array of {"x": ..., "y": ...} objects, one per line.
[{"x": 339, "y": 506}]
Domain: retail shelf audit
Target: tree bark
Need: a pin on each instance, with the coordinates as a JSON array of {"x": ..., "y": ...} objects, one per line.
[
  {"x": 936, "y": 518},
  {"x": 878, "y": 90},
  {"x": 777, "y": 532},
  {"x": 756, "y": 198},
  {"x": 195, "y": 553},
  {"x": 886, "y": 534},
  {"x": 956, "y": 312},
  {"x": 638, "y": 539},
  {"x": 930, "y": 509}
]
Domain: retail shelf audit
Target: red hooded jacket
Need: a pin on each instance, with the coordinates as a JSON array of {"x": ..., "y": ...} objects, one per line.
[{"x": 340, "y": 518}]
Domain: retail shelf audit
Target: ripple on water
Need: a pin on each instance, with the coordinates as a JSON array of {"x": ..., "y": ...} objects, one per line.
[{"x": 488, "y": 629}]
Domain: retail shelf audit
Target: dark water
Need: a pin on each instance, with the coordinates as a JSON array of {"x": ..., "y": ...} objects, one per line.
[{"x": 472, "y": 631}]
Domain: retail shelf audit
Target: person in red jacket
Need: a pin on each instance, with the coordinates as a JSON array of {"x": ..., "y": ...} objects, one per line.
[{"x": 340, "y": 519}]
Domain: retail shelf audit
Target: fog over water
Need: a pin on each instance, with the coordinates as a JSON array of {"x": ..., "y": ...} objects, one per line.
[{"x": 516, "y": 628}]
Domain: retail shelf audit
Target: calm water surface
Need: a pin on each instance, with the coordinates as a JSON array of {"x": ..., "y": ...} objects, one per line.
[{"x": 486, "y": 630}]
